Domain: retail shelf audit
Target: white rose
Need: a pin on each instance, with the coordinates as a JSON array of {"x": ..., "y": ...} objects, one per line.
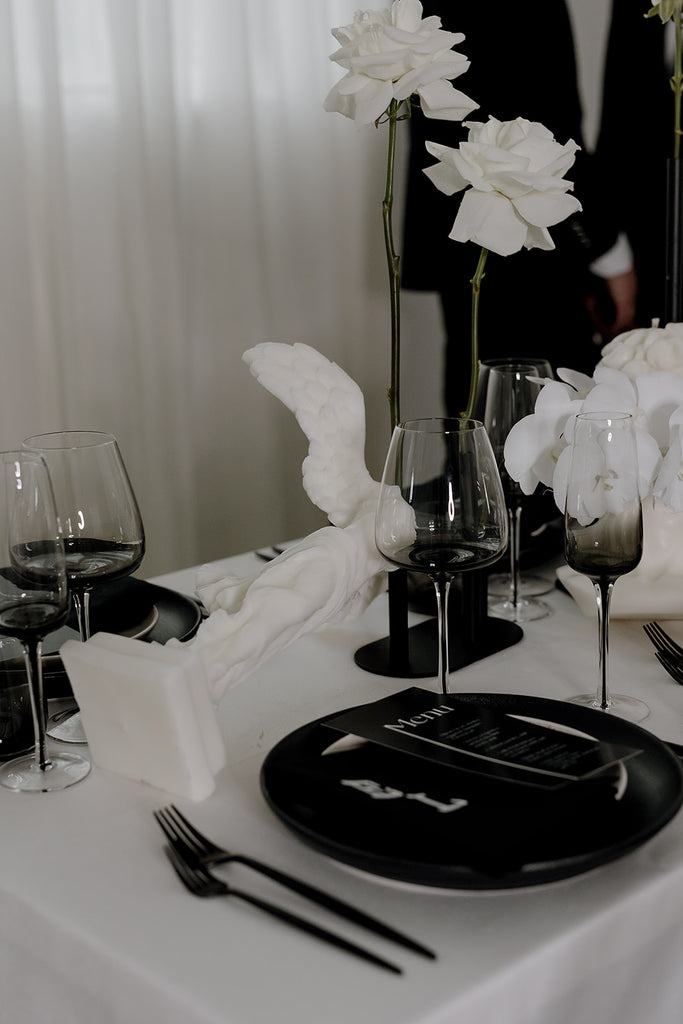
[
  {"x": 665, "y": 9},
  {"x": 513, "y": 171},
  {"x": 391, "y": 54},
  {"x": 646, "y": 349}
]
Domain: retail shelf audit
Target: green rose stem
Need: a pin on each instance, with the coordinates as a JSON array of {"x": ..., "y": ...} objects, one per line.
[
  {"x": 392, "y": 116},
  {"x": 398, "y": 581},
  {"x": 677, "y": 83},
  {"x": 672, "y": 10},
  {"x": 474, "y": 354}
]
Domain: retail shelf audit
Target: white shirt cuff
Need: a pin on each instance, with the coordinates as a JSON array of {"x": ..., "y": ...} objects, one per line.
[{"x": 617, "y": 260}]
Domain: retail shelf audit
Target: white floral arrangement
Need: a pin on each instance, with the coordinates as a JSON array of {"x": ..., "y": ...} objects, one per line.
[
  {"x": 646, "y": 350},
  {"x": 537, "y": 449},
  {"x": 512, "y": 171},
  {"x": 641, "y": 373}
]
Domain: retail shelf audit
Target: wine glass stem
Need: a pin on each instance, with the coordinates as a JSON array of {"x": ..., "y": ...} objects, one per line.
[
  {"x": 34, "y": 673},
  {"x": 515, "y": 521},
  {"x": 442, "y": 586},
  {"x": 82, "y": 605},
  {"x": 603, "y": 593}
]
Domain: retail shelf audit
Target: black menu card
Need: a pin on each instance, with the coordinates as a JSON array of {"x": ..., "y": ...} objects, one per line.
[{"x": 475, "y": 738}]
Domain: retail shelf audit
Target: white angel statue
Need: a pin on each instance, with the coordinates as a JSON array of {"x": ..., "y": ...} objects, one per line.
[{"x": 332, "y": 574}]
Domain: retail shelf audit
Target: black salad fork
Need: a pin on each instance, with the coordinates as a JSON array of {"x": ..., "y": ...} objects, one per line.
[
  {"x": 197, "y": 850},
  {"x": 200, "y": 882}
]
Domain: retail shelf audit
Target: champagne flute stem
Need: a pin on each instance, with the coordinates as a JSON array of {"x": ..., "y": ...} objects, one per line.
[
  {"x": 515, "y": 521},
  {"x": 34, "y": 673},
  {"x": 442, "y": 586},
  {"x": 603, "y": 593},
  {"x": 82, "y": 606}
]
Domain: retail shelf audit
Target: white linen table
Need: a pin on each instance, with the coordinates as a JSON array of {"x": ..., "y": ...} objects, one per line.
[{"x": 96, "y": 928}]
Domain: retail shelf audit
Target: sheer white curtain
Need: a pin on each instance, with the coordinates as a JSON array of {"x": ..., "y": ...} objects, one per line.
[{"x": 172, "y": 193}]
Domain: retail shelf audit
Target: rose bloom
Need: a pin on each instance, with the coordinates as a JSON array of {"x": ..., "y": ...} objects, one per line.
[
  {"x": 513, "y": 172},
  {"x": 391, "y": 54},
  {"x": 665, "y": 9},
  {"x": 646, "y": 349}
]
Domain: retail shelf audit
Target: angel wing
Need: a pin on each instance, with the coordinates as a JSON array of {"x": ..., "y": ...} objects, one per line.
[{"x": 329, "y": 408}]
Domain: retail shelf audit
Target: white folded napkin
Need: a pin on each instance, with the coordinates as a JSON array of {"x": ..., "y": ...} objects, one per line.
[{"x": 147, "y": 712}]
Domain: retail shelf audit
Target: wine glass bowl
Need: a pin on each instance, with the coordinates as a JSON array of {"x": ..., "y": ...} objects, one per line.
[
  {"x": 102, "y": 529},
  {"x": 441, "y": 509},
  {"x": 33, "y": 603},
  {"x": 510, "y": 396},
  {"x": 603, "y": 529}
]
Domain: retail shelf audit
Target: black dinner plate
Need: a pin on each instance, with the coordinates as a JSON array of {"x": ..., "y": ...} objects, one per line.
[
  {"x": 127, "y": 606},
  {"x": 507, "y": 835}
]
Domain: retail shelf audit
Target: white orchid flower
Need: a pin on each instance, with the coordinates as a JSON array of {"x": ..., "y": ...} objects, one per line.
[
  {"x": 597, "y": 477},
  {"x": 669, "y": 483},
  {"x": 535, "y": 442},
  {"x": 537, "y": 448},
  {"x": 659, "y": 395}
]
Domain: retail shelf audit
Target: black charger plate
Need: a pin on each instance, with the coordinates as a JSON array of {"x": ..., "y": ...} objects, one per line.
[
  {"x": 507, "y": 836},
  {"x": 121, "y": 607}
]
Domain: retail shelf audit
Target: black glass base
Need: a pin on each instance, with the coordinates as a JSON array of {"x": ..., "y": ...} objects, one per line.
[
  {"x": 419, "y": 658},
  {"x": 413, "y": 652}
]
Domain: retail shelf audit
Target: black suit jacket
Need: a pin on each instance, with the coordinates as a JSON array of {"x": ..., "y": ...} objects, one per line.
[
  {"x": 636, "y": 137},
  {"x": 532, "y": 303}
]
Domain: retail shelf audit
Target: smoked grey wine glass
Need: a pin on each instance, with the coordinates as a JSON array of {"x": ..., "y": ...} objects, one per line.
[
  {"x": 441, "y": 508},
  {"x": 603, "y": 530},
  {"x": 104, "y": 539},
  {"x": 34, "y": 601}
]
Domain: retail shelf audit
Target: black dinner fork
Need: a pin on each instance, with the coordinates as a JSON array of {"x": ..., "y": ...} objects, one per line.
[
  {"x": 663, "y": 642},
  {"x": 672, "y": 665},
  {"x": 200, "y": 882},
  {"x": 195, "y": 849}
]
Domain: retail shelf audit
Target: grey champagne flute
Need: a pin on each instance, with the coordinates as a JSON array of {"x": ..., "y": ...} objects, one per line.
[
  {"x": 441, "y": 508},
  {"x": 34, "y": 601},
  {"x": 104, "y": 538},
  {"x": 603, "y": 530}
]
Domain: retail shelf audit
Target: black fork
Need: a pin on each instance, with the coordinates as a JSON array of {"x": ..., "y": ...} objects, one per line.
[
  {"x": 195, "y": 848},
  {"x": 200, "y": 882}
]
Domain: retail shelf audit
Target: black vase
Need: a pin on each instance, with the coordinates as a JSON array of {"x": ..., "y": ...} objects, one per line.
[{"x": 411, "y": 652}]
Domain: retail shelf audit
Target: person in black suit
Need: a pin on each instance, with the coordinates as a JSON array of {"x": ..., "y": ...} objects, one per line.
[
  {"x": 534, "y": 302},
  {"x": 635, "y": 139}
]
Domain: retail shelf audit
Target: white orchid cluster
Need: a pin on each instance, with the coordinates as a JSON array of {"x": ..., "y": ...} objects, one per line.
[{"x": 537, "y": 449}]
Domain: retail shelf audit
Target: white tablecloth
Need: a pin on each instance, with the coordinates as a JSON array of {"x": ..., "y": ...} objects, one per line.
[{"x": 96, "y": 929}]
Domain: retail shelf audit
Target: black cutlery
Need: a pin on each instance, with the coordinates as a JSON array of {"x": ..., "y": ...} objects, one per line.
[
  {"x": 195, "y": 848},
  {"x": 200, "y": 882}
]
